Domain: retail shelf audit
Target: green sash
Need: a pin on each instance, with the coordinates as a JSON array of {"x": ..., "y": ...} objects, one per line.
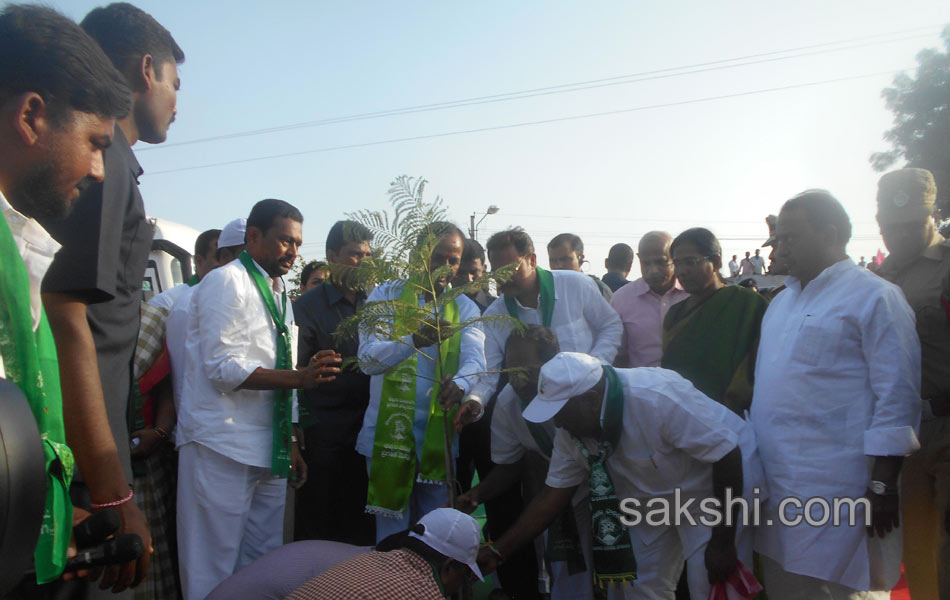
[
  {"x": 283, "y": 399},
  {"x": 613, "y": 554},
  {"x": 29, "y": 359},
  {"x": 393, "y": 465},
  {"x": 193, "y": 281}
]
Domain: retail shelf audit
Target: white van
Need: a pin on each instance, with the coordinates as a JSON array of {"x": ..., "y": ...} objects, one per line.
[{"x": 170, "y": 262}]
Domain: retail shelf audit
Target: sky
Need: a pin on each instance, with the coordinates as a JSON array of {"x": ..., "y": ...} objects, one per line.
[{"x": 697, "y": 137}]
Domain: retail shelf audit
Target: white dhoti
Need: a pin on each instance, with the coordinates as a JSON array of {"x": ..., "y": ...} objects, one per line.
[
  {"x": 783, "y": 585},
  {"x": 229, "y": 514}
]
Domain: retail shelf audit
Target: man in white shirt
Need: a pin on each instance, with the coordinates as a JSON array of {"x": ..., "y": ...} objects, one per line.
[
  {"x": 512, "y": 438},
  {"x": 642, "y": 436},
  {"x": 400, "y": 501},
  {"x": 643, "y": 304},
  {"x": 59, "y": 99},
  {"x": 234, "y": 423},
  {"x": 206, "y": 247},
  {"x": 758, "y": 264},
  {"x": 836, "y": 405},
  {"x": 571, "y": 305},
  {"x": 733, "y": 267},
  {"x": 746, "y": 266}
]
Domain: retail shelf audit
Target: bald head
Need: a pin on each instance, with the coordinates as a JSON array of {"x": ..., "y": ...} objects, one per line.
[
  {"x": 656, "y": 265},
  {"x": 655, "y": 241}
]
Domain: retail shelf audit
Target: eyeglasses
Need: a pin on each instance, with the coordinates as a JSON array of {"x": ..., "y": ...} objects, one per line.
[
  {"x": 690, "y": 262},
  {"x": 659, "y": 263}
]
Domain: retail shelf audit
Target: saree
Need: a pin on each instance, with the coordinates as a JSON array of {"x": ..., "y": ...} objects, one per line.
[{"x": 713, "y": 345}]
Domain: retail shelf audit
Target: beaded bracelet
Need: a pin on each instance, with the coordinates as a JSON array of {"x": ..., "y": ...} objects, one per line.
[{"x": 110, "y": 504}]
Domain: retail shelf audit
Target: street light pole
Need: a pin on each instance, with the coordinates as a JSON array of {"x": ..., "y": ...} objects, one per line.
[{"x": 473, "y": 228}]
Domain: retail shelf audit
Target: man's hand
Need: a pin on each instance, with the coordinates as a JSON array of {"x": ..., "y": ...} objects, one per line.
[
  {"x": 428, "y": 334},
  {"x": 450, "y": 394},
  {"x": 467, "y": 502},
  {"x": 298, "y": 467},
  {"x": 721, "y": 558},
  {"x": 885, "y": 513},
  {"x": 149, "y": 439},
  {"x": 79, "y": 515},
  {"x": 467, "y": 413},
  {"x": 487, "y": 561},
  {"x": 130, "y": 574},
  {"x": 321, "y": 369}
]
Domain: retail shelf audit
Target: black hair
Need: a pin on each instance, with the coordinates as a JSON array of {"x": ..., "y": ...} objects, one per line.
[
  {"x": 402, "y": 539},
  {"x": 127, "y": 33},
  {"x": 515, "y": 237},
  {"x": 265, "y": 212},
  {"x": 347, "y": 232},
  {"x": 704, "y": 240},
  {"x": 822, "y": 209},
  {"x": 572, "y": 240},
  {"x": 473, "y": 250},
  {"x": 438, "y": 230},
  {"x": 204, "y": 241},
  {"x": 44, "y": 52},
  {"x": 311, "y": 268},
  {"x": 544, "y": 339},
  {"x": 620, "y": 257}
]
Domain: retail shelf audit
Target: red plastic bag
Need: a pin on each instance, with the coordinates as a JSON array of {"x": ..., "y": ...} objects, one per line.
[{"x": 741, "y": 585}]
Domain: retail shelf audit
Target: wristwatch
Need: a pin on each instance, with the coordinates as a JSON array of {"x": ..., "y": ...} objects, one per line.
[{"x": 882, "y": 489}]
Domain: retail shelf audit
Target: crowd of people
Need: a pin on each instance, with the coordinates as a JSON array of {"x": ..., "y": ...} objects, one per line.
[{"x": 604, "y": 418}]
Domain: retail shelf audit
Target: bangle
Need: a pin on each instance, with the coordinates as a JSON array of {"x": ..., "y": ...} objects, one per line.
[
  {"x": 491, "y": 547},
  {"x": 93, "y": 505},
  {"x": 161, "y": 432}
]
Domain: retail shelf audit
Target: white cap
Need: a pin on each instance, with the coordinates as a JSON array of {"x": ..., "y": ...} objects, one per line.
[
  {"x": 566, "y": 375},
  {"x": 232, "y": 234},
  {"x": 454, "y": 534}
]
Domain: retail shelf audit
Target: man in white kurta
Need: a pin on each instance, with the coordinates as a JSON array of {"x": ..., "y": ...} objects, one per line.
[
  {"x": 378, "y": 355},
  {"x": 671, "y": 440},
  {"x": 582, "y": 320},
  {"x": 837, "y": 400},
  {"x": 230, "y": 503}
]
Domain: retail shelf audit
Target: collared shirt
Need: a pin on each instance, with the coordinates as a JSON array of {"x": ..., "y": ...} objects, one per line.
[
  {"x": 482, "y": 299},
  {"x": 746, "y": 266},
  {"x": 582, "y": 320},
  {"x": 396, "y": 575},
  {"x": 733, "y": 268},
  {"x": 37, "y": 249},
  {"x": 334, "y": 409},
  {"x": 758, "y": 264},
  {"x": 671, "y": 435},
  {"x": 168, "y": 298},
  {"x": 230, "y": 335},
  {"x": 378, "y": 355},
  {"x": 837, "y": 382},
  {"x": 176, "y": 340},
  {"x": 106, "y": 240},
  {"x": 925, "y": 282},
  {"x": 642, "y": 311},
  {"x": 614, "y": 281}
]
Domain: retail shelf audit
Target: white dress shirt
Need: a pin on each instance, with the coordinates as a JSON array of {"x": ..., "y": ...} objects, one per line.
[
  {"x": 37, "y": 249},
  {"x": 378, "y": 355},
  {"x": 671, "y": 435},
  {"x": 837, "y": 382},
  {"x": 230, "y": 335},
  {"x": 169, "y": 297},
  {"x": 582, "y": 319},
  {"x": 176, "y": 338}
]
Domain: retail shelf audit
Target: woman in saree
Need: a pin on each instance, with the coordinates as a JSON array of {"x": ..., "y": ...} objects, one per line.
[{"x": 711, "y": 338}]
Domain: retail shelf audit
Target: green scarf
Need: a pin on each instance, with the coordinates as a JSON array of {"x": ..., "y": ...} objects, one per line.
[
  {"x": 613, "y": 553},
  {"x": 29, "y": 359},
  {"x": 193, "y": 281},
  {"x": 283, "y": 402},
  {"x": 393, "y": 465}
]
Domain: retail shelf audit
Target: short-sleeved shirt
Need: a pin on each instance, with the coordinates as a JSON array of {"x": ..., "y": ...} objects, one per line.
[
  {"x": 672, "y": 433},
  {"x": 333, "y": 412},
  {"x": 926, "y": 285},
  {"x": 106, "y": 240}
]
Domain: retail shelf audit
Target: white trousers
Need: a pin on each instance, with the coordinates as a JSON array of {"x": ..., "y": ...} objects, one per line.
[
  {"x": 782, "y": 585},
  {"x": 228, "y": 515},
  {"x": 660, "y": 564}
]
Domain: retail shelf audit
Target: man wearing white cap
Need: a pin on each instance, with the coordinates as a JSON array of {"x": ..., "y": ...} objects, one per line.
[
  {"x": 431, "y": 562},
  {"x": 652, "y": 446}
]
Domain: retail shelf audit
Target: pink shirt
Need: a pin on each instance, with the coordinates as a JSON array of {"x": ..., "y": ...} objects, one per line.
[{"x": 642, "y": 312}]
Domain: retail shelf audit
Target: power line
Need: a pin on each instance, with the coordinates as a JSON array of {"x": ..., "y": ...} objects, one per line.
[
  {"x": 571, "y": 87},
  {"x": 527, "y": 123}
]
